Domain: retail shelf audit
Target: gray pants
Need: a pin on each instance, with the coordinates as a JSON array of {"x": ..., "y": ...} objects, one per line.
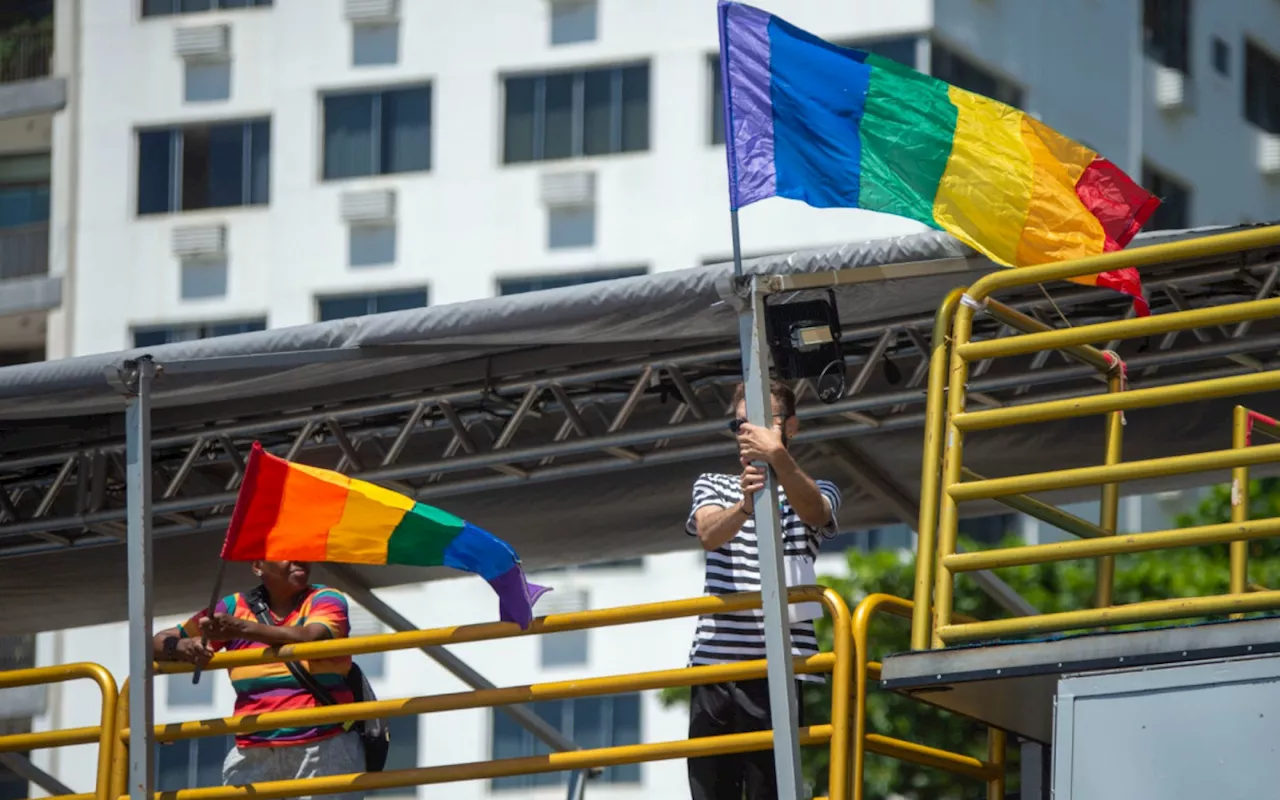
[{"x": 338, "y": 755}]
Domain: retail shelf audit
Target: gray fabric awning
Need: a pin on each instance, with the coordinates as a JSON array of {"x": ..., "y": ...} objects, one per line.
[{"x": 389, "y": 382}]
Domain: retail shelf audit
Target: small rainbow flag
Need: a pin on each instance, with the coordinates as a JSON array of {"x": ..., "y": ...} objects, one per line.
[
  {"x": 840, "y": 128},
  {"x": 293, "y": 512}
]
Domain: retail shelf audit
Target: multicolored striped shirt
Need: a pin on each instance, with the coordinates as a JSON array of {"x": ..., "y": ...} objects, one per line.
[{"x": 271, "y": 687}]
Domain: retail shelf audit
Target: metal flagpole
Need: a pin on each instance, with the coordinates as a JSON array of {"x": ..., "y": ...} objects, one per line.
[
  {"x": 783, "y": 702},
  {"x": 755, "y": 377},
  {"x": 137, "y": 377},
  {"x": 213, "y": 607}
]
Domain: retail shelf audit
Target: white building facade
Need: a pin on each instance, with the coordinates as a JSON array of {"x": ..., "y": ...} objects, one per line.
[{"x": 233, "y": 165}]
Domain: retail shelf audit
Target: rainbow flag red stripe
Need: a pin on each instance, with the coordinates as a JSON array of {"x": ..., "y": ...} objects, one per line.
[
  {"x": 293, "y": 512},
  {"x": 835, "y": 127}
]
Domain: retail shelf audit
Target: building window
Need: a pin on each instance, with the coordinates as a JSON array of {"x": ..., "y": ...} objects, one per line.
[
  {"x": 571, "y": 226},
  {"x": 24, "y": 191},
  {"x": 163, "y": 8},
  {"x": 191, "y": 763},
  {"x": 377, "y": 133},
  {"x": 180, "y": 691},
  {"x": 207, "y": 82},
  {"x": 375, "y": 45},
  {"x": 573, "y": 21},
  {"x": 1261, "y": 88},
  {"x": 539, "y": 282},
  {"x": 204, "y": 166},
  {"x": 152, "y": 336},
  {"x": 358, "y": 305},
  {"x": 1166, "y": 33},
  {"x": 589, "y": 721},
  {"x": 23, "y": 205},
  {"x": 957, "y": 70},
  {"x": 1221, "y": 56},
  {"x": 1174, "y": 211},
  {"x": 563, "y": 649},
  {"x": 571, "y": 114},
  {"x": 717, "y": 101},
  {"x": 371, "y": 245},
  {"x": 202, "y": 278},
  {"x": 901, "y": 49}
]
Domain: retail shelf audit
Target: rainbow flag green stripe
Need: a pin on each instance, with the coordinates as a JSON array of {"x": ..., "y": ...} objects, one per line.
[
  {"x": 294, "y": 512},
  {"x": 840, "y": 128}
]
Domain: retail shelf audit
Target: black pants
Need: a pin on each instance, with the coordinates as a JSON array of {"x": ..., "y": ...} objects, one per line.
[{"x": 735, "y": 707}]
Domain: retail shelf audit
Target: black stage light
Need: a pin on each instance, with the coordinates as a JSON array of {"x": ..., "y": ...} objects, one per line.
[{"x": 804, "y": 339}]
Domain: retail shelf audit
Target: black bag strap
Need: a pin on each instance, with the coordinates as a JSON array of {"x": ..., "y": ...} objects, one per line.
[{"x": 258, "y": 605}]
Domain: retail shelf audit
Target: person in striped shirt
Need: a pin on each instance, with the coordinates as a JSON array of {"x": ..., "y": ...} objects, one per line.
[
  {"x": 298, "y": 612},
  {"x": 722, "y": 520}
]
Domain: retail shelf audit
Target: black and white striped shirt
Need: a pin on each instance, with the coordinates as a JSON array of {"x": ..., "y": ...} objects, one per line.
[{"x": 735, "y": 567}]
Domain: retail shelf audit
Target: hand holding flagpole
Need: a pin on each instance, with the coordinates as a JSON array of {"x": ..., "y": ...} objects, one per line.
[{"x": 212, "y": 609}]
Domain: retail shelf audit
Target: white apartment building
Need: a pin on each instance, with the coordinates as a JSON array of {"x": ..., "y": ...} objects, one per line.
[{"x": 231, "y": 165}]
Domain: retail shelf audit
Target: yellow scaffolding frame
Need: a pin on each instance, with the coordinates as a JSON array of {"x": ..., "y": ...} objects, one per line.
[
  {"x": 991, "y": 771},
  {"x": 1110, "y": 368},
  {"x": 943, "y": 477},
  {"x": 1244, "y": 422},
  {"x": 103, "y": 733}
]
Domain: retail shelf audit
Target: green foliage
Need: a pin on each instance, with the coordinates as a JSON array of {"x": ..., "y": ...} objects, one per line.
[
  {"x": 1186, "y": 572},
  {"x": 24, "y": 46},
  {"x": 1264, "y": 502}
]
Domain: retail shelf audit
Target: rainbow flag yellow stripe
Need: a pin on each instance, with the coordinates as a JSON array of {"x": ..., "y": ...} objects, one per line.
[
  {"x": 294, "y": 512},
  {"x": 841, "y": 128}
]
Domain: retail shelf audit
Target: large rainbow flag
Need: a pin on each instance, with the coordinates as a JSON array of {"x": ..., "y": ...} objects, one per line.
[
  {"x": 293, "y": 512},
  {"x": 835, "y": 127}
]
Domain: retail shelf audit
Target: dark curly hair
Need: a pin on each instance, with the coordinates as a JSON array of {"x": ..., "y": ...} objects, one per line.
[{"x": 781, "y": 393}]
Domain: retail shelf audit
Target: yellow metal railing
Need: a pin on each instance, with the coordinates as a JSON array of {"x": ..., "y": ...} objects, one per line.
[
  {"x": 945, "y": 483},
  {"x": 991, "y": 771},
  {"x": 849, "y": 664},
  {"x": 1110, "y": 368},
  {"x": 102, "y": 733},
  {"x": 839, "y": 662},
  {"x": 1244, "y": 423}
]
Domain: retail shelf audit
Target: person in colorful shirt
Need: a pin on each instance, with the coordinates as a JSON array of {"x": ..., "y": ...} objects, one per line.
[{"x": 298, "y": 612}]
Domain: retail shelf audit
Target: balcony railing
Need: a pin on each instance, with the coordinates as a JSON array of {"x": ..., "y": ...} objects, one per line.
[
  {"x": 24, "y": 251},
  {"x": 26, "y": 53}
]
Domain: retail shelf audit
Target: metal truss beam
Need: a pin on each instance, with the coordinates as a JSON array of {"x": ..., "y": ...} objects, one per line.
[
  {"x": 21, "y": 766},
  {"x": 601, "y": 418}
]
